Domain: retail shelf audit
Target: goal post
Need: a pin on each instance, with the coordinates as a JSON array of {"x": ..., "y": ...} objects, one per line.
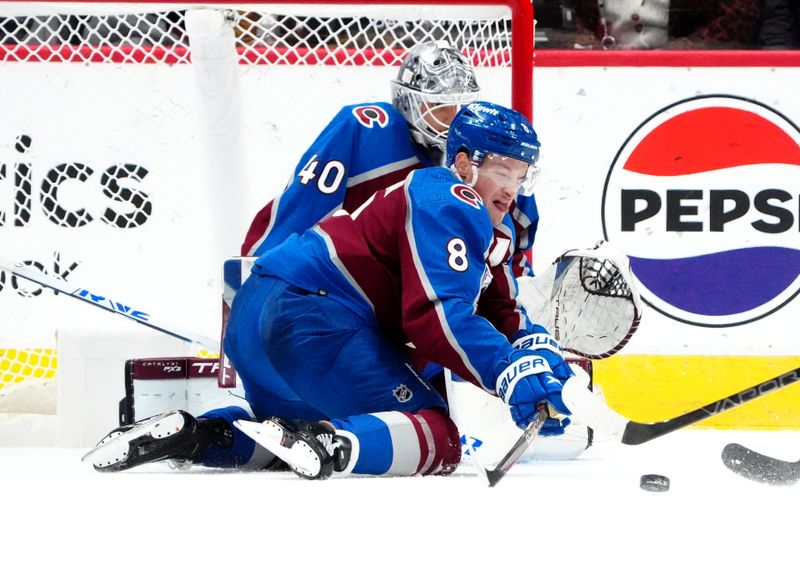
[{"x": 137, "y": 140}]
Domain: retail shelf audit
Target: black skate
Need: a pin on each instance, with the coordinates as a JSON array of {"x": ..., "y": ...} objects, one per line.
[
  {"x": 312, "y": 449},
  {"x": 174, "y": 435}
]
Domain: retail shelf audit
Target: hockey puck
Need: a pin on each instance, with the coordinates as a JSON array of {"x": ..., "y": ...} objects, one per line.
[{"x": 654, "y": 483}]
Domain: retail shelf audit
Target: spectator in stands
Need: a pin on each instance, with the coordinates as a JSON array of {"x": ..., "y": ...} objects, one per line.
[
  {"x": 554, "y": 26},
  {"x": 780, "y": 24},
  {"x": 665, "y": 24}
]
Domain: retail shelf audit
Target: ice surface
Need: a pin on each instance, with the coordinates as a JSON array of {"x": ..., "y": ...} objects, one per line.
[{"x": 588, "y": 511}]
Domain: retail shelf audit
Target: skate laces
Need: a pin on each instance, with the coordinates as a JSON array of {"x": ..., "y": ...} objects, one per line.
[{"x": 329, "y": 442}]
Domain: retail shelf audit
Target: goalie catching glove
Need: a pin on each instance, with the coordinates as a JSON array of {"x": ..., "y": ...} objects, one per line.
[{"x": 535, "y": 378}]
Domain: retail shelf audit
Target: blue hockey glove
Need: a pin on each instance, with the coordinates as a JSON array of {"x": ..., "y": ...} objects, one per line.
[
  {"x": 527, "y": 383},
  {"x": 544, "y": 345}
]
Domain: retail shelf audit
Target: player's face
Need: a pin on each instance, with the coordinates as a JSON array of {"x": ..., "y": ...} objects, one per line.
[
  {"x": 499, "y": 180},
  {"x": 439, "y": 116}
]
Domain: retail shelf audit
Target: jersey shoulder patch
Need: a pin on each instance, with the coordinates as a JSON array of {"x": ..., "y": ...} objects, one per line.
[
  {"x": 467, "y": 194},
  {"x": 371, "y": 116},
  {"x": 439, "y": 187},
  {"x": 445, "y": 199}
]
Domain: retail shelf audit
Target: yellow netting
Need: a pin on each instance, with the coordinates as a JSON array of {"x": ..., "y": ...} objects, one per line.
[
  {"x": 27, "y": 380},
  {"x": 205, "y": 353},
  {"x": 18, "y": 365}
]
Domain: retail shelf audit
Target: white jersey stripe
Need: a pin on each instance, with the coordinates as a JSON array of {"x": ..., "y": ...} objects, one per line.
[
  {"x": 426, "y": 431},
  {"x": 524, "y": 221},
  {"x": 383, "y": 170},
  {"x": 405, "y": 443}
]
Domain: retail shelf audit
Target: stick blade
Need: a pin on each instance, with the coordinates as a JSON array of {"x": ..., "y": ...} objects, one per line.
[
  {"x": 760, "y": 468},
  {"x": 636, "y": 433},
  {"x": 493, "y": 477},
  {"x": 518, "y": 449}
]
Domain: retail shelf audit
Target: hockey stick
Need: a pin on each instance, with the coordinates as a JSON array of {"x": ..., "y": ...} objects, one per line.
[
  {"x": 593, "y": 411},
  {"x": 589, "y": 301},
  {"x": 495, "y": 475},
  {"x": 761, "y": 468},
  {"x": 520, "y": 446},
  {"x": 29, "y": 273}
]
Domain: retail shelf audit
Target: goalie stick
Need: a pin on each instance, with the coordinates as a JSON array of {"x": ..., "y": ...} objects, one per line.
[
  {"x": 761, "y": 468},
  {"x": 29, "y": 273},
  {"x": 598, "y": 415}
]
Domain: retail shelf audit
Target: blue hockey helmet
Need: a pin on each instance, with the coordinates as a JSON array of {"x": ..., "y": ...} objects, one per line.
[{"x": 482, "y": 128}]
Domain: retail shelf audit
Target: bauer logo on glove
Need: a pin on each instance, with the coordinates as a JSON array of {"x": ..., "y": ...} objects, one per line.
[
  {"x": 522, "y": 367},
  {"x": 537, "y": 340},
  {"x": 526, "y": 384}
]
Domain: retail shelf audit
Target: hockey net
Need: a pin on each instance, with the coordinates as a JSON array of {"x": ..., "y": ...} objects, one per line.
[{"x": 320, "y": 55}]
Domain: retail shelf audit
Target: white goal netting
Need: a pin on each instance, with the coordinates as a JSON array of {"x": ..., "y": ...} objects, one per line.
[{"x": 137, "y": 140}]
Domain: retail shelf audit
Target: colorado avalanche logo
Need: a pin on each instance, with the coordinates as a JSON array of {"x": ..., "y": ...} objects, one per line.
[
  {"x": 371, "y": 115},
  {"x": 705, "y": 198},
  {"x": 467, "y": 194}
]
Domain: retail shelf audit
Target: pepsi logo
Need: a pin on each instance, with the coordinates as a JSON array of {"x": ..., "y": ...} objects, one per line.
[{"x": 704, "y": 197}]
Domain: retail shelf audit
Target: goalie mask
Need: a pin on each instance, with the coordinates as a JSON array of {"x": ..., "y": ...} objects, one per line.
[
  {"x": 435, "y": 80},
  {"x": 483, "y": 128}
]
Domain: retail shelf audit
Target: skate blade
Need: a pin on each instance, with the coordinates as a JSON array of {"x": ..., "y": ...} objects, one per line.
[
  {"x": 269, "y": 435},
  {"x": 113, "y": 449}
]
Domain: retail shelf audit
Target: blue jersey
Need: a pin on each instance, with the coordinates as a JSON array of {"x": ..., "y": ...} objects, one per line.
[
  {"x": 524, "y": 215},
  {"x": 364, "y": 149},
  {"x": 417, "y": 258}
]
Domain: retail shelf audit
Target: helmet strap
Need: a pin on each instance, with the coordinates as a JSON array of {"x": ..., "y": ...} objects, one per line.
[
  {"x": 474, "y": 167},
  {"x": 474, "y": 175}
]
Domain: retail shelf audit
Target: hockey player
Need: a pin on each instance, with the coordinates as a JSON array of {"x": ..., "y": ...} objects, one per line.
[
  {"x": 326, "y": 331},
  {"x": 368, "y": 147}
]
